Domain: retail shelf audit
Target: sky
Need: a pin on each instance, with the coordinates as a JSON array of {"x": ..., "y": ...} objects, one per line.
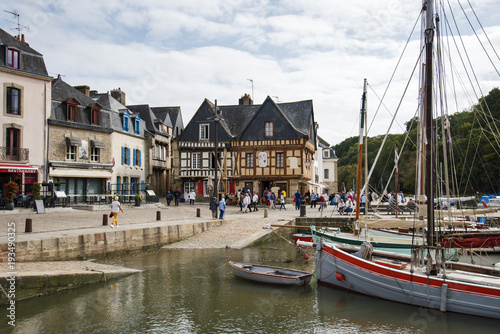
[{"x": 177, "y": 53}]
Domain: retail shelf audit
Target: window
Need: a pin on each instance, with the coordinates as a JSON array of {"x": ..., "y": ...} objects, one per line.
[
  {"x": 70, "y": 152},
  {"x": 279, "y": 160},
  {"x": 327, "y": 174},
  {"x": 125, "y": 185},
  {"x": 269, "y": 130},
  {"x": 196, "y": 161},
  {"x": 136, "y": 158},
  {"x": 117, "y": 184},
  {"x": 71, "y": 112},
  {"x": 135, "y": 185},
  {"x": 94, "y": 154},
  {"x": 13, "y": 101},
  {"x": 95, "y": 116},
  {"x": 137, "y": 128},
  {"x": 13, "y": 58},
  {"x": 12, "y": 143},
  {"x": 249, "y": 160},
  {"x": 125, "y": 156},
  {"x": 203, "y": 131},
  {"x": 125, "y": 121},
  {"x": 326, "y": 154}
]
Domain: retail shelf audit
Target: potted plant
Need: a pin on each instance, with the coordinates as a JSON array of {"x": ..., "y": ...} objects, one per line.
[
  {"x": 10, "y": 190},
  {"x": 138, "y": 200},
  {"x": 36, "y": 190},
  {"x": 44, "y": 183}
]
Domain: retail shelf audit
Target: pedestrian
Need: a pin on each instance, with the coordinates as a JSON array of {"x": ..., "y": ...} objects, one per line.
[
  {"x": 297, "y": 200},
  {"x": 222, "y": 208},
  {"x": 177, "y": 196},
  {"x": 115, "y": 206},
  {"x": 314, "y": 199},
  {"x": 273, "y": 200},
  {"x": 246, "y": 202},
  {"x": 192, "y": 196},
  {"x": 213, "y": 207},
  {"x": 282, "y": 200},
  {"x": 239, "y": 197},
  {"x": 169, "y": 197},
  {"x": 255, "y": 201}
]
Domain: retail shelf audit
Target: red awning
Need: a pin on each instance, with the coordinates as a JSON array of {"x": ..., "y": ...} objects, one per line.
[{"x": 4, "y": 168}]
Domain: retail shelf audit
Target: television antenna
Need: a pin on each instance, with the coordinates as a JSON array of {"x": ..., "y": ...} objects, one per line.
[{"x": 19, "y": 27}]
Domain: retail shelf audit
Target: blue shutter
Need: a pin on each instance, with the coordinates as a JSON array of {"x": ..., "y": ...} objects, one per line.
[
  {"x": 128, "y": 157},
  {"x": 135, "y": 157},
  {"x": 142, "y": 185},
  {"x": 123, "y": 155},
  {"x": 140, "y": 160}
]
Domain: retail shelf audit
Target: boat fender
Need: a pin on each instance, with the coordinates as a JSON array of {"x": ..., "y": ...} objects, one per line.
[
  {"x": 340, "y": 277},
  {"x": 484, "y": 203}
]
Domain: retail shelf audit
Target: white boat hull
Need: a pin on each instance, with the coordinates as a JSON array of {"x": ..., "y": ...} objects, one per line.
[{"x": 347, "y": 271}]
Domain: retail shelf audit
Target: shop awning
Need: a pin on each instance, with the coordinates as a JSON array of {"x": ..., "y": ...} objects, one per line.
[
  {"x": 6, "y": 168},
  {"x": 97, "y": 144},
  {"x": 71, "y": 141}
]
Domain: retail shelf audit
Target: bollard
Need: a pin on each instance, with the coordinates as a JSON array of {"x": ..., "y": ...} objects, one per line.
[
  {"x": 104, "y": 220},
  {"x": 302, "y": 210},
  {"x": 265, "y": 213},
  {"x": 198, "y": 213},
  {"x": 158, "y": 215},
  {"x": 29, "y": 225}
]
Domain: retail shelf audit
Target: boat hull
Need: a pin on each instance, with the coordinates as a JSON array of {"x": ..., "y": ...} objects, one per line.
[
  {"x": 270, "y": 275},
  {"x": 347, "y": 271}
]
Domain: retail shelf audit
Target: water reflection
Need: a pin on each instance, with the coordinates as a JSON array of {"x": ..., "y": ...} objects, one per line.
[{"x": 194, "y": 291}]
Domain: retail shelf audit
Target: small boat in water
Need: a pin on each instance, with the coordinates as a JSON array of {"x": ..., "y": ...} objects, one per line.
[{"x": 268, "y": 274}]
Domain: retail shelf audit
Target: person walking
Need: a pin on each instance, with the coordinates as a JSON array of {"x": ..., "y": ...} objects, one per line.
[
  {"x": 192, "y": 196},
  {"x": 246, "y": 202},
  {"x": 115, "y": 209},
  {"x": 213, "y": 207},
  {"x": 314, "y": 199},
  {"x": 177, "y": 196},
  {"x": 222, "y": 208},
  {"x": 255, "y": 201},
  {"x": 297, "y": 200},
  {"x": 282, "y": 201}
]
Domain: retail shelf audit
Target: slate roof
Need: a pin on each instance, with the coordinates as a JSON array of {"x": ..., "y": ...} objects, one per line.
[
  {"x": 31, "y": 60},
  {"x": 236, "y": 120},
  {"x": 149, "y": 117},
  {"x": 61, "y": 91},
  {"x": 171, "y": 117}
]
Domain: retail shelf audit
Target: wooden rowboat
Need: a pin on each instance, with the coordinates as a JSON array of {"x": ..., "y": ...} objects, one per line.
[{"x": 268, "y": 274}]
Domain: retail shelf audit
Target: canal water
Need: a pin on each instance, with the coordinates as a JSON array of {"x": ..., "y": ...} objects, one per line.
[{"x": 194, "y": 291}]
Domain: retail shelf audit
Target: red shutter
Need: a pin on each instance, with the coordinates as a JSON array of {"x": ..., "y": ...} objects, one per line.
[
  {"x": 200, "y": 188},
  {"x": 232, "y": 188}
]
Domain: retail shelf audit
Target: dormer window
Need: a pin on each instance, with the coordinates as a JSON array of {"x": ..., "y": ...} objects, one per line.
[
  {"x": 71, "y": 110},
  {"x": 326, "y": 154},
  {"x": 126, "y": 119},
  {"x": 13, "y": 58},
  {"x": 137, "y": 125},
  {"x": 95, "y": 115}
]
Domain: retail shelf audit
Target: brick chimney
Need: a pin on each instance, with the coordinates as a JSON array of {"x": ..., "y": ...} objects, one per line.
[
  {"x": 84, "y": 89},
  {"x": 245, "y": 100},
  {"x": 118, "y": 95}
]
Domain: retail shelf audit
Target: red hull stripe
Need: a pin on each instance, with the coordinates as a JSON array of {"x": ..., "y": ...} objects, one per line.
[{"x": 407, "y": 277}]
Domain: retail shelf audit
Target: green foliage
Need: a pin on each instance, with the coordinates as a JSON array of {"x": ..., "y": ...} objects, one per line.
[
  {"x": 36, "y": 190},
  {"x": 475, "y": 153}
]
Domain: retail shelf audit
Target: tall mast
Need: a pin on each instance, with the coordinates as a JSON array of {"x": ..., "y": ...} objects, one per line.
[
  {"x": 429, "y": 166},
  {"x": 360, "y": 152}
]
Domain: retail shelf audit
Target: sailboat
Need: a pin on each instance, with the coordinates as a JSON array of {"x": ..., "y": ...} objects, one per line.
[{"x": 429, "y": 280}]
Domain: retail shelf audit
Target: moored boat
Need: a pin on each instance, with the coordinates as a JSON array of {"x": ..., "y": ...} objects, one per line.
[{"x": 269, "y": 274}]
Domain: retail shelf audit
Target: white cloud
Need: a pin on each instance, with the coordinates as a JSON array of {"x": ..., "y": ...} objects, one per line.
[{"x": 180, "y": 52}]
